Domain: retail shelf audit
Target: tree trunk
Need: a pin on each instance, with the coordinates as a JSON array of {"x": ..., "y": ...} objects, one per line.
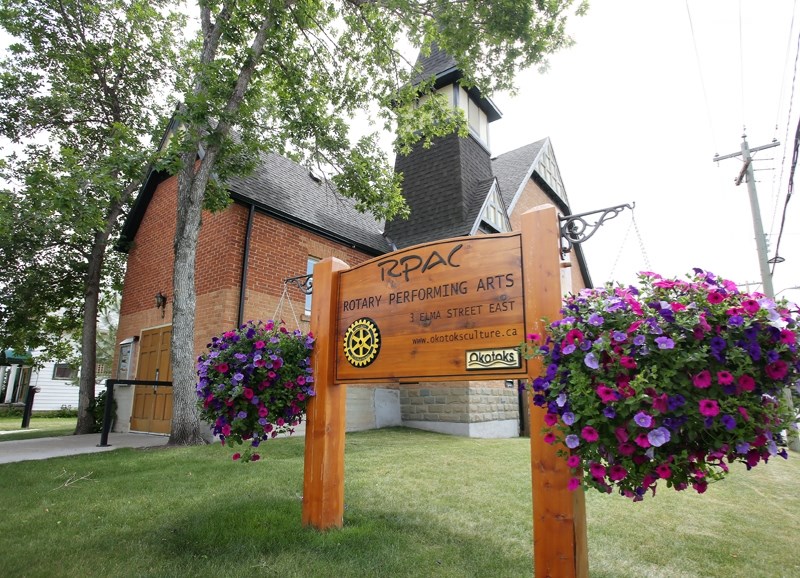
[
  {"x": 91, "y": 300},
  {"x": 91, "y": 296},
  {"x": 191, "y": 191}
]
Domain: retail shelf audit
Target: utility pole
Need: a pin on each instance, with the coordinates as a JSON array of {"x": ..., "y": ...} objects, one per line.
[
  {"x": 761, "y": 243},
  {"x": 761, "y": 239}
]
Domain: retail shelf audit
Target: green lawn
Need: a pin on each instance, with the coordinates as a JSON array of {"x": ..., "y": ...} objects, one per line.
[
  {"x": 417, "y": 504},
  {"x": 39, "y": 427}
]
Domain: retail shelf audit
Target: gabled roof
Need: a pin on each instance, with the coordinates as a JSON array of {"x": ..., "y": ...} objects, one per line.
[
  {"x": 285, "y": 190},
  {"x": 514, "y": 168}
]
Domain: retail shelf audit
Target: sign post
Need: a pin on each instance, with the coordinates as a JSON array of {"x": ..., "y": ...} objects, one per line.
[
  {"x": 456, "y": 309},
  {"x": 559, "y": 515},
  {"x": 323, "y": 474}
]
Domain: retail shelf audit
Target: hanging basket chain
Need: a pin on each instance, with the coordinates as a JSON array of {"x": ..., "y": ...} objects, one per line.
[{"x": 279, "y": 308}]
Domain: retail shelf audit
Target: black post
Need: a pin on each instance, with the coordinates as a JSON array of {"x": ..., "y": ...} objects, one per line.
[
  {"x": 107, "y": 413},
  {"x": 26, "y": 414}
]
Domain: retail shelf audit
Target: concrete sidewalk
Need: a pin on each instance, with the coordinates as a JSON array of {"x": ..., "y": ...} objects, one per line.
[{"x": 44, "y": 448}]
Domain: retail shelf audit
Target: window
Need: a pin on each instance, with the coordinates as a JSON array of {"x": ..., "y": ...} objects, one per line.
[
  {"x": 63, "y": 371},
  {"x": 478, "y": 124},
  {"x": 309, "y": 270}
]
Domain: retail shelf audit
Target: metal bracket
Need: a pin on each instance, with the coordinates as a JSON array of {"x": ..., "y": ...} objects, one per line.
[
  {"x": 573, "y": 227},
  {"x": 302, "y": 282}
]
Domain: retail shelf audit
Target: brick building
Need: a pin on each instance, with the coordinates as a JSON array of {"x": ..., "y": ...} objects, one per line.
[{"x": 283, "y": 219}]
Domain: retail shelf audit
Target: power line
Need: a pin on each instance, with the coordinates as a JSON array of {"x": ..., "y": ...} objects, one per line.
[
  {"x": 788, "y": 124},
  {"x": 788, "y": 193},
  {"x": 702, "y": 76}
]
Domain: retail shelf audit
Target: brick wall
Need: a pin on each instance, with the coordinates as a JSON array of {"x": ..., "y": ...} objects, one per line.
[{"x": 277, "y": 251}]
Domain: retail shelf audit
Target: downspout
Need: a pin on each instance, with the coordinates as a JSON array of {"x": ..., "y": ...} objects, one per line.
[{"x": 245, "y": 259}]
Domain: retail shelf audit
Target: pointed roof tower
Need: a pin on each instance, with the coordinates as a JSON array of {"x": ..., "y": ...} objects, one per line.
[{"x": 447, "y": 185}]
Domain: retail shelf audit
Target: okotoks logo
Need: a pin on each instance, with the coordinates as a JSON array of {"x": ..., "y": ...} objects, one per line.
[{"x": 362, "y": 342}]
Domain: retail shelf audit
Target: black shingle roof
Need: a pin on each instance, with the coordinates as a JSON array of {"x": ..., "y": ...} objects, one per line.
[
  {"x": 514, "y": 168},
  {"x": 285, "y": 189}
]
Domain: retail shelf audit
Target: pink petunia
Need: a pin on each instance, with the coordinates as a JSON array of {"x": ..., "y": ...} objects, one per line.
[
  {"x": 589, "y": 434},
  {"x": 260, "y": 345},
  {"x": 702, "y": 380},
  {"x": 222, "y": 368},
  {"x": 226, "y": 430},
  {"x": 621, "y": 434},
  {"x": 597, "y": 471},
  {"x": 573, "y": 484},
  {"x": 626, "y": 449},
  {"x": 744, "y": 414},
  {"x": 255, "y": 458},
  {"x": 573, "y": 461},
  {"x": 788, "y": 337},
  {"x": 724, "y": 377},
  {"x": 236, "y": 456},
  {"x": 549, "y": 438},
  {"x": 777, "y": 370},
  {"x": 248, "y": 393},
  {"x": 617, "y": 473},
  {"x": 750, "y": 306},
  {"x": 642, "y": 441},
  {"x": 708, "y": 407},
  {"x": 550, "y": 419},
  {"x": 664, "y": 471},
  {"x": 746, "y": 383},
  {"x": 607, "y": 395},
  {"x": 715, "y": 297},
  {"x": 627, "y": 362}
]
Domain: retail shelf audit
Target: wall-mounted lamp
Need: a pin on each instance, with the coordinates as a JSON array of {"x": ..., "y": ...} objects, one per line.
[{"x": 161, "y": 303}]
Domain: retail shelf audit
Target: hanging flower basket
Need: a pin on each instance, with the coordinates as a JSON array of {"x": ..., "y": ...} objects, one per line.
[
  {"x": 668, "y": 383},
  {"x": 254, "y": 383}
]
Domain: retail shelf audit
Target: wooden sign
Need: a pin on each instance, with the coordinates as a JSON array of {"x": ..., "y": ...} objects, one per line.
[{"x": 447, "y": 310}]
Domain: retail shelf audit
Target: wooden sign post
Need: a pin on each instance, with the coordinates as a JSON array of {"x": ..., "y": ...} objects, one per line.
[{"x": 456, "y": 309}]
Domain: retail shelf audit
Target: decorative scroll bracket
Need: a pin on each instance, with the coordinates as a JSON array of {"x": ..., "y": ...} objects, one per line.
[
  {"x": 302, "y": 282},
  {"x": 574, "y": 227}
]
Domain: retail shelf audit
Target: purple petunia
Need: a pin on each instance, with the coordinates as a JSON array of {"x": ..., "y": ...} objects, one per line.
[
  {"x": 665, "y": 342},
  {"x": 591, "y": 361},
  {"x": 658, "y": 437},
  {"x": 643, "y": 420}
]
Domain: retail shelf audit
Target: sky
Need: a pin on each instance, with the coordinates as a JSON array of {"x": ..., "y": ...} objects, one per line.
[{"x": 636, "y": 111}]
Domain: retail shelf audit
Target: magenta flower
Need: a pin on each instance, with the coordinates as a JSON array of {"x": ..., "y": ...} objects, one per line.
[
  {"x": 715, "y": 297},
  {"x": 550, "y": 419},
  {"x": 788, "y": 337},
  {"x": 573, "y": 484},
  {"x": 664, "y": 471},
  {"x": 642, "y": 441},
  {"x": 236, "y": 456},
  {"x": 617, "y": 473},
  {"x": 573, "y": 461},
  {"x": 724, "y": 377},
  {"x": 549, "y": 438},
  {"x": 702, "y": 380},
  {"x": 777, "y": 370},
  {"x": 627, "y": 362},
  {"x": 597, "y": 471},
  {"x": 260, "y": 344},
  {"x": 222, "y": 368},
  {"x": 248, "y": 393},
  {"x": 589, "y": 434},
  {"x": 750, "y": 306},
  {"x": 709, "y": 407},
  {"x": 747, "y": 383},
  {"x": 626, "y": 449}
]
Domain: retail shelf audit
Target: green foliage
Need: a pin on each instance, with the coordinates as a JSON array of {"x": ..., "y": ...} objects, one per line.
[
  {"x": 79, "y": 94},
  {"x": 98, "y": 409}
]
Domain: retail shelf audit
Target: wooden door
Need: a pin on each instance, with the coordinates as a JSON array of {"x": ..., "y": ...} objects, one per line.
[{"x": 152, "y": 405}]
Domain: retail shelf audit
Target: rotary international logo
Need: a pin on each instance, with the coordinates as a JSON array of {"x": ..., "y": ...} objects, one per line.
[{"x": 362, "y": 342}]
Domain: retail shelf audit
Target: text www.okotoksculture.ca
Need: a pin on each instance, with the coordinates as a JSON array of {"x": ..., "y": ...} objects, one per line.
[{"x": 468, "y": 335}]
